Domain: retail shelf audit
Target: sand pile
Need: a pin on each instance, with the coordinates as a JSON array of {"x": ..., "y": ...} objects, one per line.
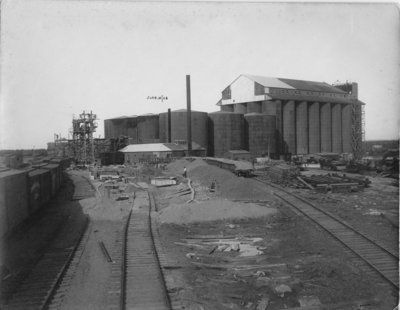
[{"x": 212, "y": 211}]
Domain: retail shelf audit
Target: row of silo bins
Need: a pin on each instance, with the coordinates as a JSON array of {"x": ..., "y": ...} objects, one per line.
[
  {"x": 199, "y": 125},
  {"x": 153, "y": 128},
  {"x": 139, "y": 129},
  {"x": 217, "y": 132},
  {"x": 254, "y": 132}
]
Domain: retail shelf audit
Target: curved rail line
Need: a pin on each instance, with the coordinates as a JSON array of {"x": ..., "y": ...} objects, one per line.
[
  {"x": 377, "y": 256},
  {"x": 142, "y": 282},
  {"x": 38, "y": 289}
]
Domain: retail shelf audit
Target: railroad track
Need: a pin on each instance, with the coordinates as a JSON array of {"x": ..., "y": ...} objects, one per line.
[
  {"x": 39, "y": 287},
  {"x": 381, "y": 259},
  {"x": 142, "y": 282},
  {"x": 83, "y": 187}
]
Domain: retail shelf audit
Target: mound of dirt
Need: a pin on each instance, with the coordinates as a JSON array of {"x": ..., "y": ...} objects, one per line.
[
  {"x": 190, "y": 164},
  {"x": 212, "y": 211},
  {"x": 229, "y": 185}
]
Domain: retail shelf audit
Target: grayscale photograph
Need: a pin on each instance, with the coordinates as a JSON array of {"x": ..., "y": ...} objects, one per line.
[{"x": 199, "y": 155}]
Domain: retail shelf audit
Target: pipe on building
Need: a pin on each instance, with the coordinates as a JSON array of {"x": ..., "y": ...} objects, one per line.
[
  {"x": 169, "y": 139},
  {"x": 189, "y": 116}
]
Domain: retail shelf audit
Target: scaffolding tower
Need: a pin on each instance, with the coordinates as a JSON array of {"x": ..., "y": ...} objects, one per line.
[
  {"x": 357, "y": 118},
  {"x": 357, "y": 130},
  {"x": 83, "y": 128}
]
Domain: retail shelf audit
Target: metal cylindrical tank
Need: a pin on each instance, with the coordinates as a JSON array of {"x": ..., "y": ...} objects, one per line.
[
  {"x": 199, "y": 127},
  {"x": 108, "y": 129},
  {"x": 254, "y": 107},
  {"x": 120, "y": 126},
  {"x": 326, "y": 127},
  {"x": 148, "y": 128},
  {"x": 260, "y": 133},
  {"x": 226, "y": 132}
]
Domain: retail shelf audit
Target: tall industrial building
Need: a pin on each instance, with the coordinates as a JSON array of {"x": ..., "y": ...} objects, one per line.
[
  {"x": 309, "y": 117},
  {"x": 262, "y": 115}
]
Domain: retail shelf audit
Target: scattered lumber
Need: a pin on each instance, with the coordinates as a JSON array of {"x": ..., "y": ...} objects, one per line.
[{"x": 305, "y": 183}]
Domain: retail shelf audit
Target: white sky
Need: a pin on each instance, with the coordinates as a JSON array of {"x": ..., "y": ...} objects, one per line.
[{"x": 61, "y": 57}]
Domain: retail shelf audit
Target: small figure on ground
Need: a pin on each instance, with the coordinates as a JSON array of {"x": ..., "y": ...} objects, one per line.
[{"x": 184, "y": 172}]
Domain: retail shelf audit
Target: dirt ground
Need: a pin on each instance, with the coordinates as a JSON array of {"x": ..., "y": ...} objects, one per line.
[
  {"x": 295, "y": 265},
  {"x": 374, "y": 211},
  {"x": 252, "y": 253},
  {"x": 107, "y": 215}
]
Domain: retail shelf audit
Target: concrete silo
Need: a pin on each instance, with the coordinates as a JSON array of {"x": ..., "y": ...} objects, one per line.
[
  {"x": 336, "y": 128},
  {"x": 326, "y": 127},
  {"x": 302, "y": 127},
  {"x": 260, "y": 134}
]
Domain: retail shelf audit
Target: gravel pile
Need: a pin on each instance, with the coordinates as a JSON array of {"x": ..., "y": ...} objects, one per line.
[{"x": 212, "y": 211}]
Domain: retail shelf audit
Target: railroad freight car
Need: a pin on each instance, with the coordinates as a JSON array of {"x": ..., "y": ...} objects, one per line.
[
  {"x": 240, "y": 168},
  {"x": 13, "y": 199},
  {"x": 39, "y": 187},
  {"x": 64, "y": 163},
  {"x": 56, "y": 177},
  {"x": 24, "y": 192}
]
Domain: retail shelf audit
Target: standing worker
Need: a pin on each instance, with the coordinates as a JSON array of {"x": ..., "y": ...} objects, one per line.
[{"x": 184, "y": 172}]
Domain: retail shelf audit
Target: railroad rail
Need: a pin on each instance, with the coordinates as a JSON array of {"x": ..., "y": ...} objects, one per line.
[
  {"x": 142, "y": 282},
  {"x": 381, "y": 259},
  {"x": 38, "y": 289}
]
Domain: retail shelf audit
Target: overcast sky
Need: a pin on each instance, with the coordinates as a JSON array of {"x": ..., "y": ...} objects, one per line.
[{"x": 61, "y": 57}]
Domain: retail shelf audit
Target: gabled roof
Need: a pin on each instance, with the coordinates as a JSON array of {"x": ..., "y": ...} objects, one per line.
[
  {"x": 294, "y": 84},
  {"x": 148, "y": 147},
  {"x": 291, "y": 84},
  {"x": 268, "y": 81},
  {"x": 183, "y": 147}
]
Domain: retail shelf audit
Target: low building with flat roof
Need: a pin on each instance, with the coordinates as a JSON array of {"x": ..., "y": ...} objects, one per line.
[{"x": 135, "y": 153}]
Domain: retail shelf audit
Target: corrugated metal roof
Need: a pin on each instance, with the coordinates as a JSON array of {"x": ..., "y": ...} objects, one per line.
[
  {"x": 11, "y": 172},
  {"x": 313, "y": 86},
  {"x": 37, "y": 172},
  {"x": 51, "y": 166},
  {"x": 183, "y": 147},
  {"x": 269, "y": 81},
  {"x": 294, "y": 84}
]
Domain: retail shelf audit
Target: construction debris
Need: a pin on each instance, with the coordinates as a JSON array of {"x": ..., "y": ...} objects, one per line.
[
  {"x": 283, "y": 173},
  {"x": 164, "y": 181},
  {"x": 335, "y": 182}
]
